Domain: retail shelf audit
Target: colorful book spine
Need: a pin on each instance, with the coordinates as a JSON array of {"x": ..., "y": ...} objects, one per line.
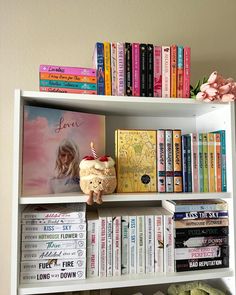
[
  {"x": 109, "y": 246},
  {"x": 132, "y": 245},
  {"x": 141, "y": 234},
  {"x": 173, "y": 71},
  {"x": 157, "y": 67},
  {"x": 180, "y": 71},
  {"x": 64, "y": 84},
  {"x": 68, "y": 78},
  {"x": 184, "y": 160},
  {"x": 200, "y": 163},
  {"x": 159, "y": 243},
  {"x": 201, "y": 231},
  {"x": 186, "y": 74},
  {"x": 128, "y": 69},
  {"x": 67, "y": 90},
  {"x": 120, "y": 69},
  {"x": 161, "y": 161},
  {"x": 114, "y": 68},
  {"x": 165, "y": 71},
  {"x": 223, "y": 159},
  {"x": 117, "y": 246},
  {"x": 150, "y": 70},
  {"x": 169, "y": 161},
  {"x": 102, "y": 247},
  {"x": 211, "y": 162},
  {"x": 194, "y": 162},
  {"x": 177, "y": 161},
  {"x": 189, "y": 163},
  {"x": 98, "y": 63},
  {"x": 205, "y": 162},
  {"x": 143, "y": 70},
  {"x": 201, "y": 242},
  {"x": 189, "y": 223},
  {"x": 149, "y": 251},
  {"x": 168, "y": 244},
  {"x": 218, "y": 166},
  {"x": 136, "y": 69},
  {"x": 125, "y": 245},
  {"x": 107, "y": 68},
  {"x": 67, "y": 70}
]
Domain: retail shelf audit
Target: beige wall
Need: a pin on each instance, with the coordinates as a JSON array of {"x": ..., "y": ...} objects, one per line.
[{"x": 64, "y": 32}]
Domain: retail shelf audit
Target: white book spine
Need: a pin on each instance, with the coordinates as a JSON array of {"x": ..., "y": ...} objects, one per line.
[
  {"x": 149, "y": 226},
  {"x": 53, "y": 236},
  {"x": 54, "y": 228},
  {"x": 124, "y": 245},
  {"x": 159, "y": 243},
  {"x": 102, "y": 247},
  {"x": 140, "y": 244},
  {"x": 168, "y": 244},
  {"x": 92, "y": 249},
  {"x": 133, "y": 245},
  {"x": 169, "y": 161},
  {"x": 117, "y": 246},
  {"x": 109, "y": 246},
  {"x": 53, "y": 245},
  {"x": 52, "y": 221},
  {"x": 197, "y": 253}
]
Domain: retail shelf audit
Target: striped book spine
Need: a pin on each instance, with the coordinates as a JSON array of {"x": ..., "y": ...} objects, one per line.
[
  {"x": 157, "y": 84},
  {"x": 165, "y": 71},
  {"x": 186, "y": 77},
  {"x": 136, "y": 69},
  {"x": 173, "y": 71},
  {"x": 180, "y": 70},
  {"x": 107, "y": 67}
]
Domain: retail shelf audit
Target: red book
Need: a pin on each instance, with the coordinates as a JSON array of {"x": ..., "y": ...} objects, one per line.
[{"x": 136, "y": 69}]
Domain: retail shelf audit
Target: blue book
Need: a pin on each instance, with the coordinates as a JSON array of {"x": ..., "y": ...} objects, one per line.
[
  {"x": 184, "y": 163},
  {"x": 65, "y": 84},
  {"x": 98, "y": 62}
]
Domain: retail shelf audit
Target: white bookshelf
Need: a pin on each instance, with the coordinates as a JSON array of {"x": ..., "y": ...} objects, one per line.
[{"x": 127, "y": 112}]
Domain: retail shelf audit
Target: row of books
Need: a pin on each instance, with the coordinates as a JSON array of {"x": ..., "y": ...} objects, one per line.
[
  {"x": 53, "y": 243},
  {"x": 205, "y": 243},
  {"x": 67, "y": 79},
  {"x": 167, "y": 161},
  {"x": 137, "y": 69}
]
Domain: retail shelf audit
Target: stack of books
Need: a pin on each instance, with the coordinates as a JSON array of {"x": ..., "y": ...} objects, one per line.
[
  {"x": 53, "y": 243},
  {"x": 67, "y": 79},
  {"x": 201, "y": 234},
  {"x": 137, "y": 69}
]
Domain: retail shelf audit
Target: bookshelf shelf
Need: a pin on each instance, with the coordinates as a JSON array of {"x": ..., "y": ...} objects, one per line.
[{"x": 127, "y": 113}]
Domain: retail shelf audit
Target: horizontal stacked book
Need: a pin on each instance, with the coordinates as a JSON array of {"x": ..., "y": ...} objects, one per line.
[
  {"x": 164, "y": 160},
  {"x": 201, "y": 234},
  {"x": 67, "y": 79},
  {"x": 129, "y": 241},
  {"x": 138, "y": 69},
  {"x": 53, "y": 243}
]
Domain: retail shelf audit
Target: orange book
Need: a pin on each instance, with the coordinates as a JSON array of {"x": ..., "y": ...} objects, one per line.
[
  {"x": 67, "y": 77},
  {"x": 217, "y": 154},
  {"x": 173, "y": 71},
  {"x": 107, "y": 67}
]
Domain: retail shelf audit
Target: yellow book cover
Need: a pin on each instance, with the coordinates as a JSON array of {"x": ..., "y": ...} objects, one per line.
[
  {"x": 107, "y": 67},
  {"x": 211, "y": 162},
  {"x": 177, "y": 159},
  {"x": 136, "y": 162}
]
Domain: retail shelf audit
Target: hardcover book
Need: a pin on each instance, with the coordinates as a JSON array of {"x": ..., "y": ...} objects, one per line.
[{"x": 54, "y": 142}]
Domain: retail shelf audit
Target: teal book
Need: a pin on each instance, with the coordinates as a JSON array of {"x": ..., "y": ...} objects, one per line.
[{"x": 65, "y": 84}]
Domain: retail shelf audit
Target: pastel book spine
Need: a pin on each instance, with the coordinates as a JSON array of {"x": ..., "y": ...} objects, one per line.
[
  {"x": 158, "y": 243},
  {"x": 168, "y": 244},
  {"x": 68, "y": 78},
  {"x": 92, "y": 248},
  {"x": 150, "y": 70},
  {"x": 157, "y": 68},
  {"x": 205, "y": 163},
  {"x": 65, "y": 84},
  {"x": 98, "y": 63},
  {"x": 177, "y": 161},
  {"x": 67, "y": 70},
  {"x": 194, "y": 162},
  {"x": 67, "y": 90},
  {"x": 218, "y": 166},
  {"x": 117, "y": 246},
  {"x": 211, "y": 162},
  {"x": 128, "y": 69},
  {"x": 114, "y": 68},
  {"x": 109, "y": 246},
  {"x": 107, "y": 68},
  {"x": 102, "y": 246},
  {"x": 189, "y": 164},
  {"x": 141, "y": 233},
  {"x": 223, "y": 159},
  {"x": 136, "y": 69},
  {"x": 132, "y": 245},
  {"x": 120, "y": 69},
  {"x": 150, "y": 252},
  {"x": 143, "y": 70},
  {"x": 169, "y": 161},
  {"x": 161, "y": 161},
  {"x": 184, "y": 160},
  {"x": 187, "y": 71},
  {"x": 200, "y": 163},
  {"x": 165, "y": 71},
  {"x": 180, "y": 71},
  {"x": 125, "y": 244},
  {"x": 173, "y": 71}
]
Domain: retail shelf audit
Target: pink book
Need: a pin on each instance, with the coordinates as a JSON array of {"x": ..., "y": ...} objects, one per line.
[
  {"x": 157, "y": 75},
  {"x": 194, "y": 162},
  {"x": 187, "y": 64},
  {"x": 120, "y": 69},
  {"x": 161, "y": 181},
  {"x": 165, "y": 71},
  {"x": 67, "y": 90},
  {"x": 136, "y": 69},
  {"x": 67, "y": 70},
  {"x": 114, "y": 68}
]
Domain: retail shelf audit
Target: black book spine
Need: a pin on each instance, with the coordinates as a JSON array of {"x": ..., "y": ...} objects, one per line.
[
  {"x": 128, "y": 69},
  {"x": 201, "y": 231},
  {"x": 150, "y": 70},
  {"x": 143, "y": 70},
  {"x": 201, "y": 242}
]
